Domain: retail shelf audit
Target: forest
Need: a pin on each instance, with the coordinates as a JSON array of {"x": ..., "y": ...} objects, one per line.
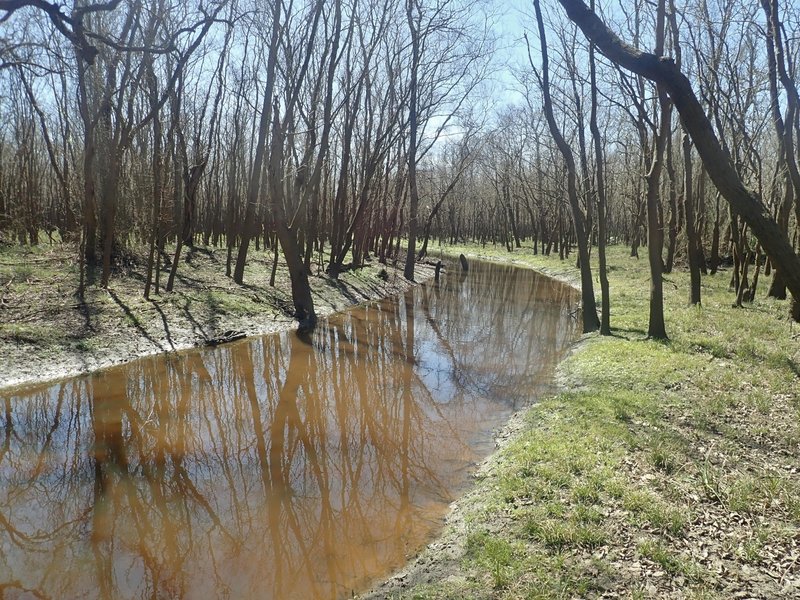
[
  {"x": 336, "y": 132},
  {"x": 190, "y": 172}
]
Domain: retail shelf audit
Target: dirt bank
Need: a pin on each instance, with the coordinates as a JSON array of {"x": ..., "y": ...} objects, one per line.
[{"x": 46, "y": 333}]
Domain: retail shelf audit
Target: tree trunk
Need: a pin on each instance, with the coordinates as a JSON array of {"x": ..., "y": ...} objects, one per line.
[
  {"x": 717, "y": 162},
  {"x": 655, "y": 230},
  {"x": 413, "y": 202},
  {"x": 693, "y": 239},
  {"x": 110, "y": 189},
  {"x": 605, "y": 306},
  {"x": 157, "y": 184},
  {"x": 673, "y": 209},
  {"x": 590, "y": 320},
  {"x": 301, "y": 289},
  {"x": 778, "y": 288},
  {"x": 89, "y": 237},
  {"x": 254, "y": 184}
]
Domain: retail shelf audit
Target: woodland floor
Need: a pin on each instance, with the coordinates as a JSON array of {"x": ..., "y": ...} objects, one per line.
[
  {"x": 47, "y": 333},
  {"x": 662, "y": 470}
]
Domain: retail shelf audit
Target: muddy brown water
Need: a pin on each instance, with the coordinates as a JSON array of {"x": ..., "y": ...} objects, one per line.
[{"x": 274, "y": 467}]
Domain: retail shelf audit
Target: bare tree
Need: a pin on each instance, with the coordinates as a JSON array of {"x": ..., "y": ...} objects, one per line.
[
  {"x": 600, "y": 191},
  {"x": 450, "y": 44},
  {"x": 590, "y": 320},
  {"x": 717, "y": 162}
]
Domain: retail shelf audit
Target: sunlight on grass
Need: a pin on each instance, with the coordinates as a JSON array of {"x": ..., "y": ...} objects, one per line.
[{"x": 646, "y": 436}]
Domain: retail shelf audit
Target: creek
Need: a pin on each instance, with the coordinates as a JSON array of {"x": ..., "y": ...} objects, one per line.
[{"x": 278, "y": 466}]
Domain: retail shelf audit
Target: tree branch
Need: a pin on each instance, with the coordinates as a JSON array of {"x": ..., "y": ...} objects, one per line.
[{"x": 717, "y": 162}]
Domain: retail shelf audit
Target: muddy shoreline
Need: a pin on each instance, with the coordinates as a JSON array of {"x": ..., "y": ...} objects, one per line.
[
  {"x": 48, "y": 335},
  {"x": 440, "y": 560}
]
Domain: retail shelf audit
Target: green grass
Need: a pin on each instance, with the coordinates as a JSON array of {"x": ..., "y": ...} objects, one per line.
[
  {"x": 495, "y": 555},
  {"x": 672, "y": 562},
  {"x": 29, "y": 333},
  {"x": 649, "y": 510},
  {"x": 651, "y": 447}
]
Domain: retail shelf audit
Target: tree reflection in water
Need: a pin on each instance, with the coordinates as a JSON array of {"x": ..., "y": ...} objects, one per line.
[{"x": 275, "y": 467}]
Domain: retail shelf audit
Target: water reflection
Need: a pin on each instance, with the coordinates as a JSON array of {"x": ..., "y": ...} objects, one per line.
[{"x": 276, "y": 467}]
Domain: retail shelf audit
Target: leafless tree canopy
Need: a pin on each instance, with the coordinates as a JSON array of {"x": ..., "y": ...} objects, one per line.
[{"x": 337, "y": 132}]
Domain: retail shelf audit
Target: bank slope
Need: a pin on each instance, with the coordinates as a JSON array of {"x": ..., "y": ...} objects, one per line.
[
  {"x": 661, "y": 470},
  {"x": 46, "y": 332}
]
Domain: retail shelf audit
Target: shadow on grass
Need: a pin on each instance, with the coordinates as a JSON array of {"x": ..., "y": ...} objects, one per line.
[
  {"x": 793, "y": 366},
  {"x": 135, "y": 322},
  {"x": 343, "y": 288},
  {"x": 163, "y": 322},
  {"x": 633, "y": 333}
]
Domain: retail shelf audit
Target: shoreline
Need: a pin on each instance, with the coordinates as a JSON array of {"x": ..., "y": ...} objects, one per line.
[
  {"x": 118, "y": 325},
  {"x": 439, "y": 560},
  {"x": 653, "y": 470}
]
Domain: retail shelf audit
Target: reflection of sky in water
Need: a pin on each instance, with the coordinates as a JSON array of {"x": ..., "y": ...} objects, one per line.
[
  {"x": 434, "y": 369},
  {"x": 273, "y": 467}
]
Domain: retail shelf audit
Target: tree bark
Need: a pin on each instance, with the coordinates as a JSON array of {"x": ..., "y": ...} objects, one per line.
[
  {"x": 605, "y": 301},
  {"x": 157, "y": 169},
  {"x": 254, "y": 185},
  {"x": 655, "y": 223},
  {"x": 693, "y": 239},
  {"x": 301, "y": 289},
  {"x": 778, "y": 287},
  {"x": 590, "y": 320},
  {"x": 673, "y": 209},
  {"x": 413, "y": 202}
]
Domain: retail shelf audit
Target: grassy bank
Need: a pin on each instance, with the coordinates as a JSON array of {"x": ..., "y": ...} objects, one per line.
[
  {"x": 662, "y": 470},
  {"x": 47, "y": 332}
]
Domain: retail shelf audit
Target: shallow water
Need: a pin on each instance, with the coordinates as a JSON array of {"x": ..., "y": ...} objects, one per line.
[{"x": 274, "y": 467}]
